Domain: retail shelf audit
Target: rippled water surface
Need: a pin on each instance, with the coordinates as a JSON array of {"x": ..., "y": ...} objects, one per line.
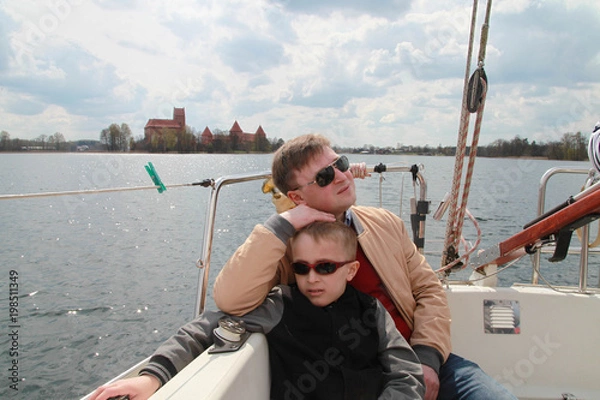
[{"x": 105, "y": 278}]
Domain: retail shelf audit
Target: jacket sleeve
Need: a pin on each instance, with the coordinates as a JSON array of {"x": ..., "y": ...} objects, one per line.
[
  {"x": 431, "y": 319},
  {"x": 264, "y": 318},
  {"x": 195, "y": 337},
  {"x": 403, "y": 376},
  {"x": 183, "y": 347},
  {"x": 255, "y": 267}
]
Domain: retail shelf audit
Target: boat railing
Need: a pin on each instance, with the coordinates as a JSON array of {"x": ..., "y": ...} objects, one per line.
[
  {"x": 204, "y": 262},
  {"x": 585, "y": 248}
]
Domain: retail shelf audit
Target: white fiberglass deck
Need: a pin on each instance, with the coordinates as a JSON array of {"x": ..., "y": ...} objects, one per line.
[{"x": 553, "y": 353}]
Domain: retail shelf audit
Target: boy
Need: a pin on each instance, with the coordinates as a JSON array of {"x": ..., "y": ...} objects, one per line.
[{"x": 319, "y": 323}]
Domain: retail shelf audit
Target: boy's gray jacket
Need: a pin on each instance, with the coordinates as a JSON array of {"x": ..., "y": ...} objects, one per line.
[{"x": 402, "y": 373}]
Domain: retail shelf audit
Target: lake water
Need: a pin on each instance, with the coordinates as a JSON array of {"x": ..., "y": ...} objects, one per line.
[{"x": 103, "y": 279}]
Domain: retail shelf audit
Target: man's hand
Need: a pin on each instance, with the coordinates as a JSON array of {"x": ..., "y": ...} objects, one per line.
[
  {"x": 303, "y": 215},
  {"x": 432, "y": 383},
  {"x": 138, "y": 388}
]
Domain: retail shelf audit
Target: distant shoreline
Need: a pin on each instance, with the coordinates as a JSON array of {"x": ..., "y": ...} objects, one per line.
[{"x": 543, "y": 158}]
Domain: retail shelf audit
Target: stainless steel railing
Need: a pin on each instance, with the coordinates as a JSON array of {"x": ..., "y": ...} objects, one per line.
[
  {"x": 584, "y": 251},
  {"x": 204, "y": 262}
]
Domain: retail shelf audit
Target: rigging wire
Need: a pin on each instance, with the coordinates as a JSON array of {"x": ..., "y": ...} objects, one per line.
[
  {"x": 549, "y": 285},
  {"x": 497, "y": 272},
  {"x": 158, "y": 185},
  {"x": 95, "y": 191}
]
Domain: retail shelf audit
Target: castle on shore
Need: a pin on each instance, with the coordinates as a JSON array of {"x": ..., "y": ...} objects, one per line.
[
  {"x": 177, "y": 126},
  {"x": 235, "y": 131},
  {"x": 161, "y": 127}
]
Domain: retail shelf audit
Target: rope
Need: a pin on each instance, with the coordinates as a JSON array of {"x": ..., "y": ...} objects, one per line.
[
  {"x": 474, "y": 93},
  {"x": 485, "y": 28},
  {"x": 468, "y": 250},
  {"x": 460, "y": 147},
  {"x": 471, "y": 164}
]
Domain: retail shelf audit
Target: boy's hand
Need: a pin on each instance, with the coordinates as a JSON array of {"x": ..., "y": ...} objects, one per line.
[
  {"x": 138, "y": 388},
  {"x": 302, "y": 215},
  {"x": 432, "y": 382}
]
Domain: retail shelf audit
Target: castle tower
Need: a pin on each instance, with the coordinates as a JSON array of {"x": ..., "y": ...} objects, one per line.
[
  {"x": 179, "y": 116},
  {"x": 207, "y": 136}
]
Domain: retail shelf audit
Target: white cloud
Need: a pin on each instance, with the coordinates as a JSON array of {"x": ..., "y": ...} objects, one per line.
[{"x": 356, "y": 71}]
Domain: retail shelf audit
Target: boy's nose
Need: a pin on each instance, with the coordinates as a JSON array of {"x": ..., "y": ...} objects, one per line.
[{"x": 313, "y": 276}]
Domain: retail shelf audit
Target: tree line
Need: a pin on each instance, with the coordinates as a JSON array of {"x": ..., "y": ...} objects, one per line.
[
  {"x": 571, "y": 147},
  {"x": 118, "y": 138},
  {"x": 54, "y": 142}
]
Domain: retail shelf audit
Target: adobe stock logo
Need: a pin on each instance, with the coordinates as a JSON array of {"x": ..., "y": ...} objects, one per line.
[
  {"x": 102, "y": 176},
  {"x": 506, "y": 182},
  {"x": 37, "y": 32},
  {"x": 351, "y": 334},
  {"x": 541, "y": 351}
]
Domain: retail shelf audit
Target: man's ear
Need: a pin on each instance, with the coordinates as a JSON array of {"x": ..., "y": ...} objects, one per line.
[
  {"x": 296, "y": 196},
  {"x": 352, "y": 270}
]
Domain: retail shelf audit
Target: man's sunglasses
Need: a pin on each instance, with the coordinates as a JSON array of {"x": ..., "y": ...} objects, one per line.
[
  {"x": 321, "y": 268},
  {"x": 325, "y": 176}
]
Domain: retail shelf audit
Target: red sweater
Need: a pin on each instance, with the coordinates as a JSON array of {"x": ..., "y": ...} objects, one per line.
[{"x": 367, "y": 281}]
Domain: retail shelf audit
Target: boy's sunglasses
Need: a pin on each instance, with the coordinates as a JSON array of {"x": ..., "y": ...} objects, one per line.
[
  {"x": 325, "y": 176},
  {"x": 321, "y": 268}
]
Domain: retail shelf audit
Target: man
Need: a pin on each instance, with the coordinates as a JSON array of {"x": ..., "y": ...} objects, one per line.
[{"x": 321, "y": 185}]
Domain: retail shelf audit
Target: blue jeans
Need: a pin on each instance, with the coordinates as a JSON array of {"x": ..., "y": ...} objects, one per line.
[{"x": 463, "y": 379}]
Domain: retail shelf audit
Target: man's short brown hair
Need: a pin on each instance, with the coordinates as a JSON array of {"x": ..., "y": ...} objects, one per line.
[
  {"x": 335, "y": 231},
  {"x": 293, "y": 156}
]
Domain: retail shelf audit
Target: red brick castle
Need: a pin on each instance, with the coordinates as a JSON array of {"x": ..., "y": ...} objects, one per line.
[{"x": 177, "y": 126}]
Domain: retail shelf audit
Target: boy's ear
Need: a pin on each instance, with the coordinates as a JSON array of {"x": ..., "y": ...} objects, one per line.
[{"x": 352, "y": 270}]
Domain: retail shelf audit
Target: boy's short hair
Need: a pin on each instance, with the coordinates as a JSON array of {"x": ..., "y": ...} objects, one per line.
[
  {"x": 293, "y": 156},
  {"x": 336, "y": 231}
]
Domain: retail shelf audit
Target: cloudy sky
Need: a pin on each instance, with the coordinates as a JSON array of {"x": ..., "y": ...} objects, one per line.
[{"x": 381, "y": 72}]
